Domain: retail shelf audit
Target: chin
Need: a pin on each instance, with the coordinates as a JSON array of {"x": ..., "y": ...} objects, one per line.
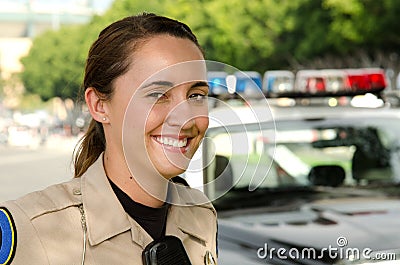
[{"x": 171, "y": 172}]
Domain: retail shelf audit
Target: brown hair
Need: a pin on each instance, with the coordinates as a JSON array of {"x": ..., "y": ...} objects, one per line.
[{"x": 110, "y": 57}]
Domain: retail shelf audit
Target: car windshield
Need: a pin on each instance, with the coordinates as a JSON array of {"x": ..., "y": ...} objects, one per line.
[{"x": 302, "y": 155}]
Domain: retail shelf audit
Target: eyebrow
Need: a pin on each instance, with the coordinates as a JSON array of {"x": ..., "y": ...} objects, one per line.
[
  {"x": 199, "y": 83},
  {"x": 159, "y": 83},
  {"x": 170, "y": 84}
]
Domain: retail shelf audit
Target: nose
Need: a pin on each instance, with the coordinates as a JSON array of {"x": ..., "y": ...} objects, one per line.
[{"x": 181, "y": 115}]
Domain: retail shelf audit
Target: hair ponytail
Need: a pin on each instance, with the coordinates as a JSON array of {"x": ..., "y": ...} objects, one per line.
[{"x": 89, "y": 148}]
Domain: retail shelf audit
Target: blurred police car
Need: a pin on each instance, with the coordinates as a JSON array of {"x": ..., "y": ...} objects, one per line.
[{"x": 315, "y": 184}]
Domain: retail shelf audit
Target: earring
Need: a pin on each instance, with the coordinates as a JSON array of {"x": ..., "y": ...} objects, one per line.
[{"x": 104, "y": 118}]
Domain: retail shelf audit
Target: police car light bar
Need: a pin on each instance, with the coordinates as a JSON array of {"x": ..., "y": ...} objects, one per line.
[{"x": 305, "y": 83}]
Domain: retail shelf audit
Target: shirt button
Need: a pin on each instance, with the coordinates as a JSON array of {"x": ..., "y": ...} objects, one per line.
[{"x": 77, "y": 192}]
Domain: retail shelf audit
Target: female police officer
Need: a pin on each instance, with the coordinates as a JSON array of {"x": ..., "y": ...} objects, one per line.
[{"x": 145, "y": 89}]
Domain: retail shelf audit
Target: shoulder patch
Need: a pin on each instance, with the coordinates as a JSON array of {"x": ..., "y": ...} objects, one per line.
[{"x": 8, "y": 237}]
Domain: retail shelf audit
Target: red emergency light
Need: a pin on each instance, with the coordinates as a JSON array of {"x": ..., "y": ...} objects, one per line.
[
  {"x": 366, "y": 80},
  {"x": 338, "y": 82}
]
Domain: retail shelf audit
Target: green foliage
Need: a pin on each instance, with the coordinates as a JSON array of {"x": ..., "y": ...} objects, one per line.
[
  {"x": 31, "y": 102},
  {"x": 54, "y": 64},
  {"x": 250, "y": 35},
  {"x": 240, "y": 33}
]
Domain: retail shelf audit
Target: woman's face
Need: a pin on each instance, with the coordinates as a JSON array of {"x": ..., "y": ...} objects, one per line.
[{"x": 158, "y": 113}]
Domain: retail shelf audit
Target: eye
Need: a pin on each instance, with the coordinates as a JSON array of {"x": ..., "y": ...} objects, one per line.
[
  {"x": 157, "y": 95},
  {"x": 197, "y": 97}
]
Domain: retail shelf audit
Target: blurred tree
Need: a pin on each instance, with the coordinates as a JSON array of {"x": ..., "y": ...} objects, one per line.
[
  {"x": 305, "y": 33},
  {"x": 123, "y": 8},
  {"x": 30, "y": 103},
  {"x": 53, "y": 66},
  {"x": 239, "y": 33},
  {"x": 350, "y": 30}
]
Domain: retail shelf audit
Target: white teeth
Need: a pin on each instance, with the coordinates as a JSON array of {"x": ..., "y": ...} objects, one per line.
[{"x": 171, "y": 141}]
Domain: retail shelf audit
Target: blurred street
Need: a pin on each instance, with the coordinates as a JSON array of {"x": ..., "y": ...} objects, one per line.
[{"x": 24, "y": 169}]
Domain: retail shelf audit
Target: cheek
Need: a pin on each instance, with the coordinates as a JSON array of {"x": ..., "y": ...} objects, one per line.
[
  {"x": 135, "y": 123},
  {"x": 202, "y": 124},
  {"x": 119, "y": 111},
  {"x": 153, "y": 120}
]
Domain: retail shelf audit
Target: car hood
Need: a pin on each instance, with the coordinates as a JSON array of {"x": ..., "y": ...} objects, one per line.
[{"x": 372, "y": 223}]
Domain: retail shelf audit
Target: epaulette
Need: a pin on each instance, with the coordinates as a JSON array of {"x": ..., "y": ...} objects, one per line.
[{"x": 53, "y": 198}]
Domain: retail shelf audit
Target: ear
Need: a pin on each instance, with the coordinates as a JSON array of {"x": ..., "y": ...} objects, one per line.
[{"x": 95, "y": 105}]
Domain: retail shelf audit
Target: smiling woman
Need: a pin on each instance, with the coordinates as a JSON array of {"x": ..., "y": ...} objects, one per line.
[{"x": 145, "y": 87}]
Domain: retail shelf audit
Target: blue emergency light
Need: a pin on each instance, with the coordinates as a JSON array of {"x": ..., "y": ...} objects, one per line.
[
  {"x": 217, "y": 82},
  {"x": 248, "y": 82}
]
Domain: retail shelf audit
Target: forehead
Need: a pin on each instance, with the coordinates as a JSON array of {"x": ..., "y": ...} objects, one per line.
[
  {"x": 163, "y": 57},
  {"x": 164, "y": 44},
  {"x": 165, "y": 50}
]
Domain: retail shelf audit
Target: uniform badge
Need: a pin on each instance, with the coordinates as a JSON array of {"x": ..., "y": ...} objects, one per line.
[
  {"x": 209, "y": 259},
  {"x": 8, "y": 237}
]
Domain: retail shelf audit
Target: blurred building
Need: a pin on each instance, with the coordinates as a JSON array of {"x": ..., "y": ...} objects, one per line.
[{"x": 21, "y": 20}]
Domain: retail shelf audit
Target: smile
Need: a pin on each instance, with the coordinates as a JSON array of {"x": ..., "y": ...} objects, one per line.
[{"x": 179, "y": 143}]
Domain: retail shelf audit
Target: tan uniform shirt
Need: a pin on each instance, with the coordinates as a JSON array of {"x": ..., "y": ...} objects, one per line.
[{"x": 50, "y": 225}]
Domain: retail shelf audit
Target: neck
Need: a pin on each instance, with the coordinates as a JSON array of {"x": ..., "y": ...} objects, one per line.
[{"x": 150, "y": 191}]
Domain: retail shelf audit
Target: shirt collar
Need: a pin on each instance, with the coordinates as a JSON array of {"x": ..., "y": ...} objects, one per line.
[
  {"x": 105, "y": 216},
  {"x": 186, "y": 213}
]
